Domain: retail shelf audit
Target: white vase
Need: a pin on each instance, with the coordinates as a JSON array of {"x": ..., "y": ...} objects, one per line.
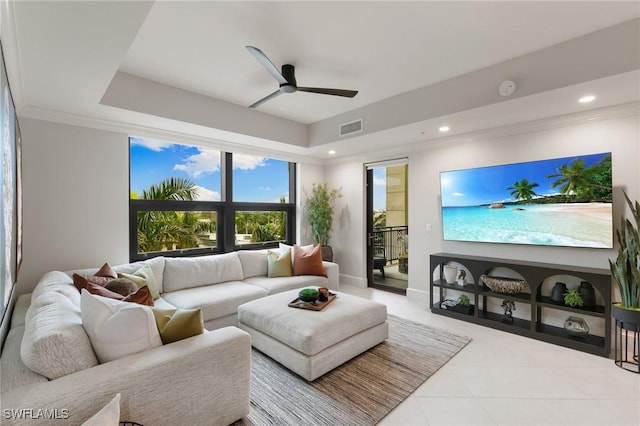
[{"x": 450, "y": 274}]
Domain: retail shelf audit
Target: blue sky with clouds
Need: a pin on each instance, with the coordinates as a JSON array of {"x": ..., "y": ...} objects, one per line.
[
  {"x": 472, "y": 187},
  {"x": 380, "y": 188},
  {"x": 257, "y": 179}
]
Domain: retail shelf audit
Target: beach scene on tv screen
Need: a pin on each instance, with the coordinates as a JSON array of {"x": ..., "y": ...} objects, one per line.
[{"x": 556, "y": 202}]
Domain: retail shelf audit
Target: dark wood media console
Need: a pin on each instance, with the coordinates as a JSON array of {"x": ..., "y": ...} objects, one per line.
[{"x": 535, "y": 274}]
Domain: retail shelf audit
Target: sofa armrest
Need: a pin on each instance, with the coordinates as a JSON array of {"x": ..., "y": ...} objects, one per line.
[
  {"x": 201, "y": 380},
  {"x": 333, "y": 275}
]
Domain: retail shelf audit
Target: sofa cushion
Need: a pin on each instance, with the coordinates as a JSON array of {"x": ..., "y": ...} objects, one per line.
[
  {"x": 122, "y": 286},
  {"x": 143, "y": 276},
  {"x": 156, "y": 263},
  {"x": 55, "y": 343},
  {"x": 308, "y": 262},
  {"x": 254, "y": 262},
  {"x": 178, "y": 324},
  {"x": 12, "y": 370},
  {"x": 58, "y": 282},
  {"x": 279, "y": 265},
  {"x": 284, "y": 247},
  {"x": 216, "y": 301},
  {"x": 116, "y": 328},
  {"x": 277, "y": 285},
  {"x": 142, "y": 296},
  {"x": 188, "y": 272},
  {"x": 109, "y": 415},
  {"x": 100, "y": 277}
]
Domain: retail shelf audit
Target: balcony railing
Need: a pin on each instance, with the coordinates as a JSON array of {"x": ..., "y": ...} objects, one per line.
[{"x": 393, "y": 239}]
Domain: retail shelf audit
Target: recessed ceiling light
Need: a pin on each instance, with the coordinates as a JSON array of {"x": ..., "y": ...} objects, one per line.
[
  {"x": 332, "y": 152},
  {"x": 444, "y": 128},
  {"x": 586, "y": 99}
]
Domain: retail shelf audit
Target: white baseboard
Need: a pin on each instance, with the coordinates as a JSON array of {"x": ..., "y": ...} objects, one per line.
[
  {"x": 353, "y": 280},
  {"x": 420, "y": 297}
]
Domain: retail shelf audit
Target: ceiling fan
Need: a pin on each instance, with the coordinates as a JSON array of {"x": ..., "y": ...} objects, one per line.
[{"x": 287, "y": 80}]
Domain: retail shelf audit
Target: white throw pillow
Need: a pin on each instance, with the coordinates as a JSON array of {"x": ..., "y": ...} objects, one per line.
[
  {"x": 109, "y": 415},
  {"x": 116, "y": 328}
]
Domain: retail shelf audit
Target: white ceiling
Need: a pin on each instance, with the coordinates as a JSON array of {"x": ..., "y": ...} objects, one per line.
[{"x": 68, "y": 53}]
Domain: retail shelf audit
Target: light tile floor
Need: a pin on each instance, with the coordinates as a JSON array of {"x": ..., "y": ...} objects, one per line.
[{"x": 505, "y": 379}]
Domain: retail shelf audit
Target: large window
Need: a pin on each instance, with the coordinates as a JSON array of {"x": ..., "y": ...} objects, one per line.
[{"x": 190, "y": 200}]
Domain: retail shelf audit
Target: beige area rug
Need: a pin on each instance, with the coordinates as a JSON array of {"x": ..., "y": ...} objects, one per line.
[{"x": 359, "y": 392}]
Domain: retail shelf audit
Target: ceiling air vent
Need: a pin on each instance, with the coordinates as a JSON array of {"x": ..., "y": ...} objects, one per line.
[{"x": 350, "y": 127}]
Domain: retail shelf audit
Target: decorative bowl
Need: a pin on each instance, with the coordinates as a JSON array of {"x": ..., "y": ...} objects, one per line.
[
  {"x": 503, "y": 284},
  {"x": 308, "y": 295}
]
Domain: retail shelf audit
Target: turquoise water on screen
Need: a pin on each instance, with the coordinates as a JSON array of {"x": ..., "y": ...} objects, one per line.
[{"x": 536, "y": 224}]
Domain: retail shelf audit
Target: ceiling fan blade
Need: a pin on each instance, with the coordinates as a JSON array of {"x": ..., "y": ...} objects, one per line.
[
  {"x": 262, "y": 58},
  {"x": 266, "y": 98},
  {"x": 334, "y": 92}
]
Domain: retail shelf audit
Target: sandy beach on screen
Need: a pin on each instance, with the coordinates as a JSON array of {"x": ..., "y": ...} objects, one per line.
[{"x": 598, "y": 210}]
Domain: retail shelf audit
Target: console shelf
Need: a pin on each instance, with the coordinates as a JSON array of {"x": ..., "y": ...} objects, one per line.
[{"x": 534, "y": 325}]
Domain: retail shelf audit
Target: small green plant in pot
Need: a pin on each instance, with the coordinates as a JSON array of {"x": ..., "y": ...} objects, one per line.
[
  {"x": 626, "y": 269},
  {"x": 573, "y": 298},
  {"x": 318, "y": 208},
  {"x": 463, "y": 300}
]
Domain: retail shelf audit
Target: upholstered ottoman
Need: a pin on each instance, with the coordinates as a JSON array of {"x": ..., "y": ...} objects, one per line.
[{"x": 312, "y": 343}]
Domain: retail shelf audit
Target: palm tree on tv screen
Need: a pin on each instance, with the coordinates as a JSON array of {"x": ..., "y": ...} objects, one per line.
[
  {"x": 584, "y": 182},
  {"x": 523, "y": 190}
]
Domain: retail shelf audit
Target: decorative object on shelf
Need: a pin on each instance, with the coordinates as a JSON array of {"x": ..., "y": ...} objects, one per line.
[
  {"x": 463, "y": 300},
  {"x": 576, "y": 326},
  {"x": 458, "y": 306},
  {"x": 503, "y": 284},
  {"x": 462, "y": 277},
  {"x": 626, "y": 272},
  {"x": 318, "y": 209},
  {"x": 557, "y": 294},
  {"x": 509, "y": 306},
  {"x": 573, "y": 299},
  {"x": 450, "y": 274},
  {"x": 588, "y": 294}
]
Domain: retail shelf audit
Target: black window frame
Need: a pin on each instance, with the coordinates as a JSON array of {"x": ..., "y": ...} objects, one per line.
[{"x": 225, "y": 216}]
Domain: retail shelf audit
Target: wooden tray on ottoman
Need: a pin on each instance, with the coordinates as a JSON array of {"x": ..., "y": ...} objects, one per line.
[{"x": 315, "y": 306}]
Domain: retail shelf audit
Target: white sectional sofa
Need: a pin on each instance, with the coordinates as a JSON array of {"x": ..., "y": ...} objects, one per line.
[{"x": 204, "y": 379}]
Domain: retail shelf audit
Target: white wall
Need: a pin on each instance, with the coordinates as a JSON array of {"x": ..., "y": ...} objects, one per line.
[
  {"x": 75, "y": 192},
  {"x": 75, "y": 189},
  {"x": 348, "y": 235},
  {"x": 619, "y": 136},
  {"x": 307, "y": 175}
]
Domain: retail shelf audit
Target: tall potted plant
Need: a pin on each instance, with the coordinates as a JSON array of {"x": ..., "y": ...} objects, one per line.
[
  {"x": 318, "y": 208},
  {"x": 626, "y": 270}
]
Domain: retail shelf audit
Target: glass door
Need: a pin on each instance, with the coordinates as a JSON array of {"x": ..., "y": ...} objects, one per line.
[{"x": 387, "y": 226}]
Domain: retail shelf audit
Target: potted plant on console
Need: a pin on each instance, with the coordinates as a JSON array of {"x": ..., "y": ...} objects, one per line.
[
  {"x": 318, "y": 208},
  {"x": 626, "y": 270}
]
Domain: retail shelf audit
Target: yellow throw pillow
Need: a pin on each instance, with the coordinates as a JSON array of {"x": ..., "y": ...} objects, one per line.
[
  {"x": 279, "y": 265},
  {"x": 178, "y": 324},
  {"x": 143, "y": 276}
]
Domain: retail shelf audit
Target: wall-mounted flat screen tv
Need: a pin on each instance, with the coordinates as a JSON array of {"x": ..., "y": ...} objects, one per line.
[{"x": 558, "y": 202}]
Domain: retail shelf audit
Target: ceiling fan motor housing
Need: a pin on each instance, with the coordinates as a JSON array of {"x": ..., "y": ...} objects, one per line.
[{"x": 288, "y": 72}]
